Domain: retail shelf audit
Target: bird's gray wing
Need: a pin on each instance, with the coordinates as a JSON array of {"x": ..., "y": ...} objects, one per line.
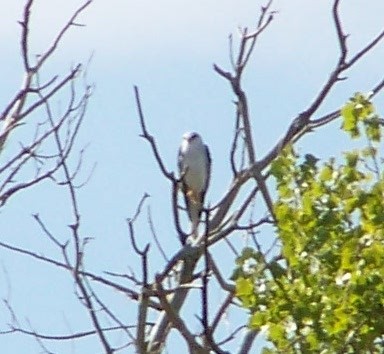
[
  {"x": 184, "y": 186},
  {"x": 180, "y": 159},
  {"x": 208, "y": 167}
]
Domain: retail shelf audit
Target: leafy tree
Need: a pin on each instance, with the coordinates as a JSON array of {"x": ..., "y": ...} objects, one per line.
[{"x": 325, "y": 291}]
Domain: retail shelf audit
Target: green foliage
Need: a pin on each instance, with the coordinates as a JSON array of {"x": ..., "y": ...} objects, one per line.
[
  {"x": 325, "y": 292},
  {"x": 360, "y": 109}
]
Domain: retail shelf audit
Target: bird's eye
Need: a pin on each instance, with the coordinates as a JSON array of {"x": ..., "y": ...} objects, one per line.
[{"x": 193, "y": 136}]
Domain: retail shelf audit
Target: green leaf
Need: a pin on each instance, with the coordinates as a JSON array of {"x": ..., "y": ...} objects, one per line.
[
  {"x": 277, "y": 332},
  {"x": 352, "y": 158},
  {"x": 326, "y": 173},
  {"x": 258, "y": 319},
  {"x": 244, "y": 287},
  {"x": 373, "y": 129},
  {"x": 349, "y": 116}
]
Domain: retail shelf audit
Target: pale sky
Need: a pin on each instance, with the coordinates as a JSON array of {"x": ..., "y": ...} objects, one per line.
[{"x": 167, "y": 48}]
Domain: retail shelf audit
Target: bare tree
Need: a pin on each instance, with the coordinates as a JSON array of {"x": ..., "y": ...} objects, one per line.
[
  {"x": 190, "y": 275},
  {"x": 35, "y": 95}
]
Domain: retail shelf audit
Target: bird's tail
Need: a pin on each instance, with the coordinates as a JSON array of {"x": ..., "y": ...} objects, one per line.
[{"x": 194, "y": 214}]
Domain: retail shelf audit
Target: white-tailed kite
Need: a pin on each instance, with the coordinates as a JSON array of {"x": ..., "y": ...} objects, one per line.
[{"x": 194, "y": 163}]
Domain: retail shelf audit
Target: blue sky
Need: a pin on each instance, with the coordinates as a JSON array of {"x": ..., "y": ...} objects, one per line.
[{"x": 167, "y": 48}]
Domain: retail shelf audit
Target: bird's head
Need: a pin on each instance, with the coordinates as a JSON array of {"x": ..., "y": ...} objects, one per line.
[{"x": 190, "y": 137}]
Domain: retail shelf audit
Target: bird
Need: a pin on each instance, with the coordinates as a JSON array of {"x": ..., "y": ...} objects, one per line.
[{"x": 194, "y": 163}]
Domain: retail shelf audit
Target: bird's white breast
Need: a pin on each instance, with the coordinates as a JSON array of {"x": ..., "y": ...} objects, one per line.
[{"x": 195, "y": 162}]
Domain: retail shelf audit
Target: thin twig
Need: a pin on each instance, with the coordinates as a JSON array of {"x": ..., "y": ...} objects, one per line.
[{"x": 145, "y": 134}]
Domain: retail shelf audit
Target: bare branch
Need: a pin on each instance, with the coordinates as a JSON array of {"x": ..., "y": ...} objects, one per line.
[
  {"x": 190, "y": 255},
  {"x": 204, "y": 281},
  {"x": 342, "y": 38},
  {"x": 44, "y": 98},
  {"x": 154, "y": 234},
  {"x": 60, "y": 35},
  {"x": 234, "y": 79},
  {"x": 145, "y": 134},
  {"x": 127, "y": 291},
  {"x": 221, "y": 311},
  {"x": 224, "y": 285},
  {"x": 182, "y": 235},
  {"x": 365, "y": 50},
  {"x": 63, "y": 337},
  {"x": 24, "y": 36},
  {"x": 248, "y": 340},
  {"x": 177, "y": 322}
]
